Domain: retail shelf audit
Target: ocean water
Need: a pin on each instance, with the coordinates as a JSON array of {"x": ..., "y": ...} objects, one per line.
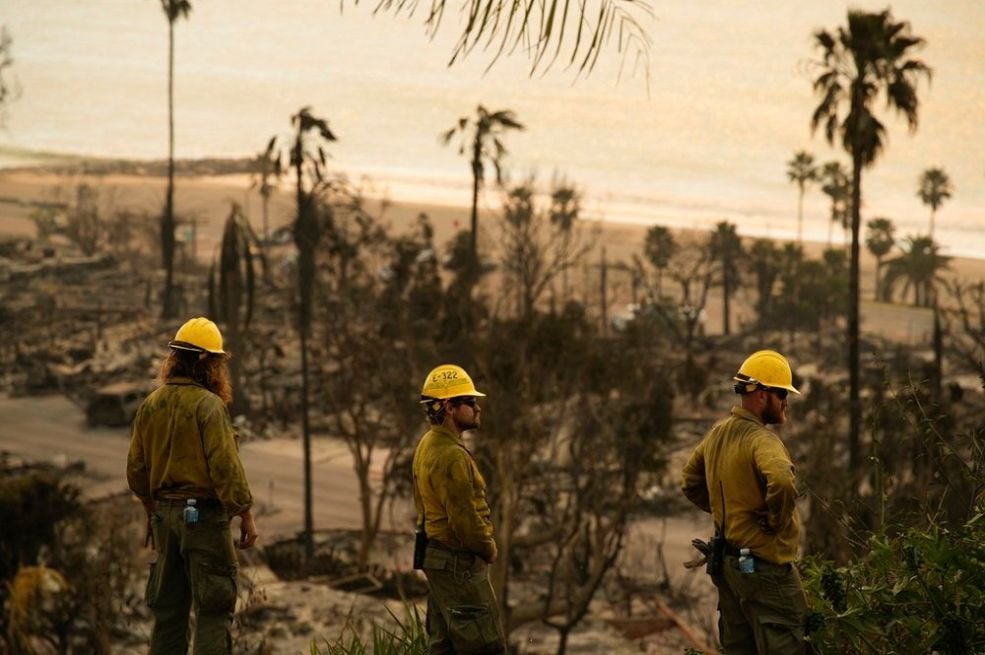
[{"x": 700, "y": 135}]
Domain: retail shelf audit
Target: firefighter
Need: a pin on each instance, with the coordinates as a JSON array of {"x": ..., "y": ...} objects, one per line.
[
  {"x": 184, "y": 466},
  {"x": 742, "y": 474},
  {"x": 450, "y": 498}
]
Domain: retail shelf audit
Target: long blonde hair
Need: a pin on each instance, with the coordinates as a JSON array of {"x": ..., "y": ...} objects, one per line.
[{"x": 210, "y": 371}]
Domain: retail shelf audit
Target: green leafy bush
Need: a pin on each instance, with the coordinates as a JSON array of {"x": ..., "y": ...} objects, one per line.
[{"x": 922, "y": 591}]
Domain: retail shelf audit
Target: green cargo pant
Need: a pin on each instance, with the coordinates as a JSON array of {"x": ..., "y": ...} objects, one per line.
[
  {"x": 463, "y": 617},
  {"x": 195, "y": 568},
  {"x": 762, "y": 612}
]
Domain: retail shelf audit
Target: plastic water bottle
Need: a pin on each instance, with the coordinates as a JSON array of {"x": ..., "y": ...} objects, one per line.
[
  {"x": 191, "y": 512},
  {"x": 747, "y": 563}
]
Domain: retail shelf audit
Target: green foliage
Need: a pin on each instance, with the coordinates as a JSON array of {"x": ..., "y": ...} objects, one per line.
[
  {"x": 918, "y": 592},
  {"x": 811, "y": 292},
  {"x": 409, "y": 638},
  {"x": 90, "y": 553},
  {"x": 918, "y": 267},
  {"x": 30, "y": 508}
]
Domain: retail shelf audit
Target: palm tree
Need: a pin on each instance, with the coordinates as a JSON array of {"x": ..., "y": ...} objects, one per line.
[
  {"x": 265, "y": 183},
  {"x": 919, "y": 267},
  {"x": 935, "y": 188},
  {"x": 836, "y": 185},
  {"x": 861, "y": 62},
  {"x": 765, "y": 263},
  {"x": 879, "y": 240},
  {"x": 801, "y": 170},
  {"x": 232, "y": 296},
  {"x": 563, "y": 213},
  {"x": 481, "y": 135},
  {"x": 727, "y": 248},
  {"x": 542, "y": 30},
  {"x": 173, "y": 10},
  {"x": 305, "y": 154},
  {"x": 658, "y": 248},
  {"x": 6, "y": 61}
]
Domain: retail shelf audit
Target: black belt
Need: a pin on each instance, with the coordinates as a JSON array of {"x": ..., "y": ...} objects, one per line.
[
  {"x": 437, "y": 545},
  {"x": 210, "y": 503},
  {"x": 731, "y": 551}
]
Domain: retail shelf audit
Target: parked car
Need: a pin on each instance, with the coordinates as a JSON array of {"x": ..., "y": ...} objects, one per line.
[{"x": 116, "y": 404}]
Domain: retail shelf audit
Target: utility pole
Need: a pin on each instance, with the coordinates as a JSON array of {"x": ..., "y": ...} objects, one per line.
[{"x": 603, "y": 283}]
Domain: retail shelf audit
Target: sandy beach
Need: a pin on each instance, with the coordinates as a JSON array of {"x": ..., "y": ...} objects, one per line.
[{"x": 207, "y": 200}]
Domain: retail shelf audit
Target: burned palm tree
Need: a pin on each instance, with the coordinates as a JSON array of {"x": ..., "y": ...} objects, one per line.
[
  {"x": 801, "y": 170},
  {"x": 306, "y": 156},
  {"x": 726, "y": 249},
  {"x": 173, "y": 10},
  {"x": 658, "y": 248},
  {"x": 837, "y": 186},
  {"x": 232, "y": 296},
  {"x": 481, "y": 137}
]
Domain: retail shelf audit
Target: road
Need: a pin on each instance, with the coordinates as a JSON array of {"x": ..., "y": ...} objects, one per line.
[{"x": 52, "y": 429}]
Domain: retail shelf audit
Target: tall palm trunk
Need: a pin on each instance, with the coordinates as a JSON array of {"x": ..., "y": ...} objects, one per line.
[
  {"x": 854, "y": 401},
  {"x": 727, "y": 291},
  {"x": 800, "y": 217},
  {"x": 476, "y": 177},
  {"x": 168, "y": 309},
  {"x": 875, "y": 294},
  {"x": 305, "y": 273}
]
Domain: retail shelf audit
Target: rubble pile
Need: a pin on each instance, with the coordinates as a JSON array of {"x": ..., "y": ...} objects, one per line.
[{"x": 71, "y": 323}]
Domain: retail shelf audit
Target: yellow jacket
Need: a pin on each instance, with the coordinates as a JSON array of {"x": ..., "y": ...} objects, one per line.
[
  {"x": 183, "y": 445},
  {"x": 752, "y": 466},
  {"x": 451, "y": 493}
]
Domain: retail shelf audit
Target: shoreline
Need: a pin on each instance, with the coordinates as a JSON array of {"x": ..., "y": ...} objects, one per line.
[
  {"x": 407, "y": 188},
  {"x": 206, "y": 197}
]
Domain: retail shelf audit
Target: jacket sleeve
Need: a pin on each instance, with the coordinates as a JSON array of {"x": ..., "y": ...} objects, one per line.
[
  {"x": 693, "y": 481},
  {"x": 222, "y": 457},
  {"x": 777, "y": 470},
  {"x": 465, "y": 503},
  {"x": 138, "y": 478}
]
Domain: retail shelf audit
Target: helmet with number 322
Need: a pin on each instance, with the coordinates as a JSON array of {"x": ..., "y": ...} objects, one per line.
[{"x": 448, "y": 381}]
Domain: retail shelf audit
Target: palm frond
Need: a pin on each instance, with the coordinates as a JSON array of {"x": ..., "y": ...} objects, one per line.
[{"x": 542, "y": 27}]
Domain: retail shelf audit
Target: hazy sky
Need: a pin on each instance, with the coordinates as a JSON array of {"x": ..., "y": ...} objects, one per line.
[{"x": 704, "y": 137}]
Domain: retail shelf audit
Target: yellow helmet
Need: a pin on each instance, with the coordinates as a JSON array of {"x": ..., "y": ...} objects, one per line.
[
  {"x": 767, "y": 368},
  {"x": 198, "y": 334},
  {"x": 448, "y": 381}
]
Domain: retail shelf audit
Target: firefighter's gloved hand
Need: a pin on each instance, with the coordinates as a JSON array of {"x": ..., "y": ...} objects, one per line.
[{"x": 704, "y": 548}]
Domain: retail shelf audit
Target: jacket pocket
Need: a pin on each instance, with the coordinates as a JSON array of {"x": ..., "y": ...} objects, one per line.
[
  {"x": 215, "y": 588},
  {"x": 473, "y": 629}
]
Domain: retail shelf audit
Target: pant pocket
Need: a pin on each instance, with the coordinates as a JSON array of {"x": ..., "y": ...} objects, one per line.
[
  {"x": 215, "y": 588},
  {"x": 153, "y": 589},
  {"x": 473, "y": 629},
  {"x": 782, "y": 635}
]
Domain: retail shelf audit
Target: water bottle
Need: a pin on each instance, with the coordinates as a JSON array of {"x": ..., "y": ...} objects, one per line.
[
  {"x": 191, "y": 512},
  {"x": 747, "y": 563}
]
